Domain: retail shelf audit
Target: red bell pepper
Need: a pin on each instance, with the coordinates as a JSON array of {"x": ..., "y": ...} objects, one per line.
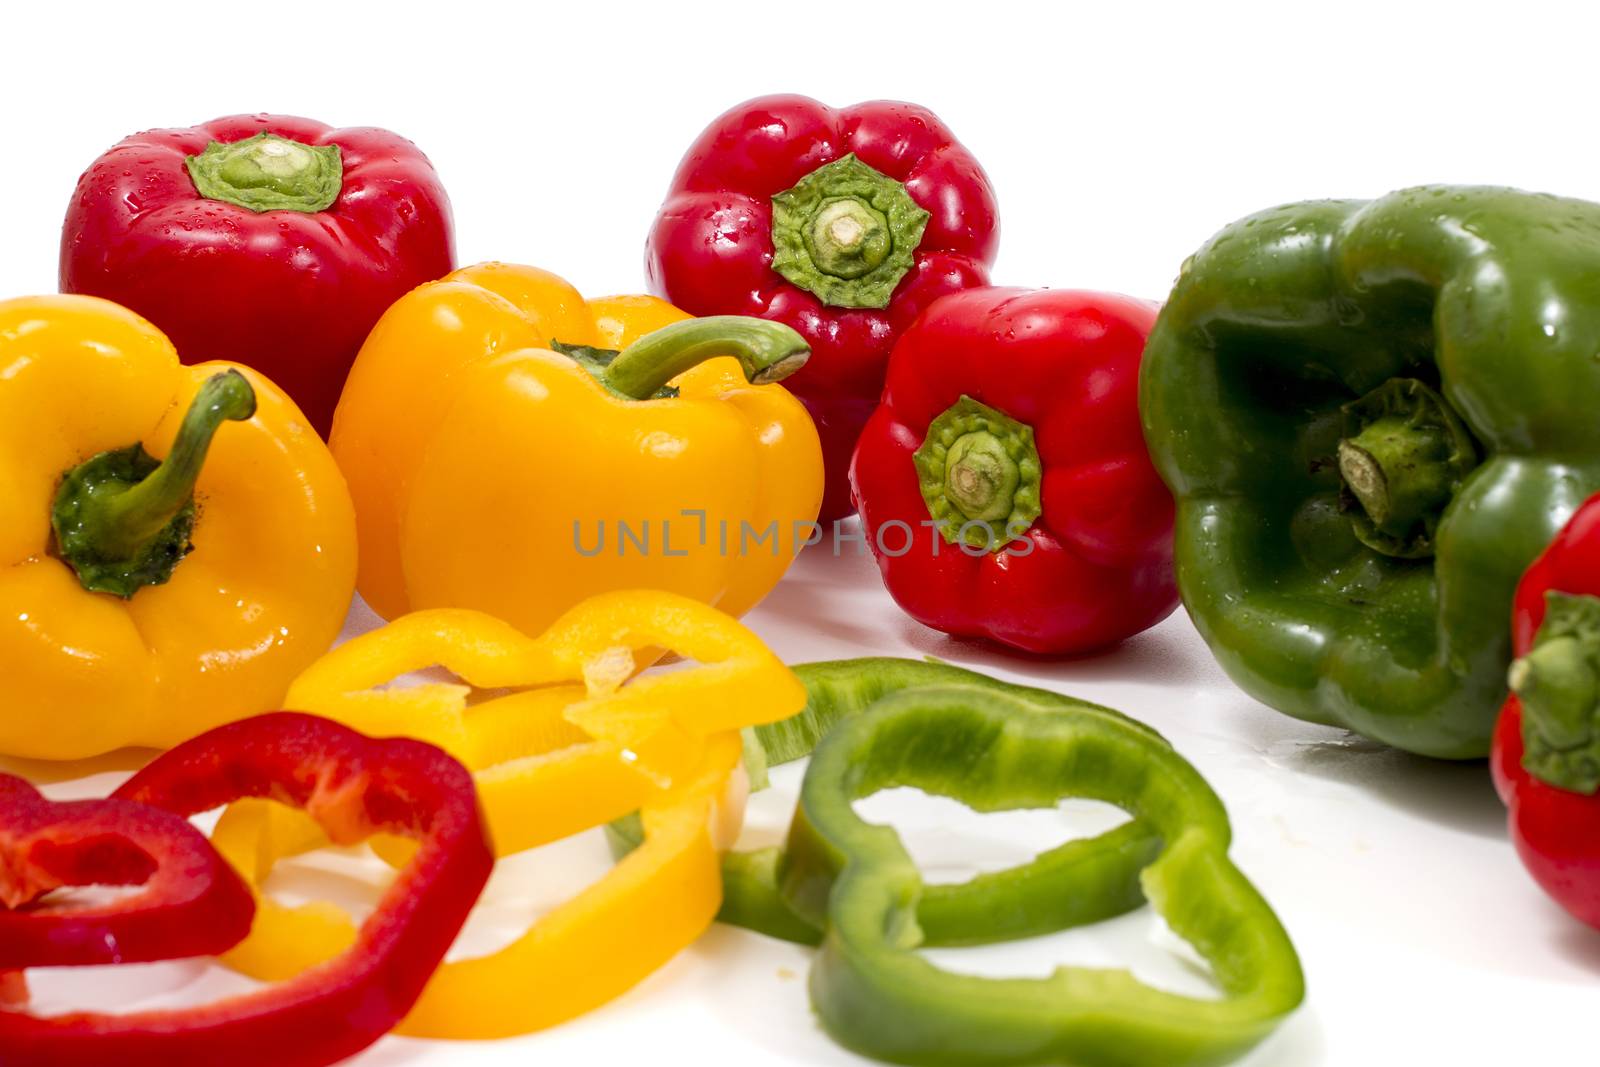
[
  {"x": 354, "y": 786},
  {"x": 192, "y": 903},
  {"x": 1546, "y": 753},
  {"x": 261, "y": 239},
  {"x": 843, "y": 224},
  {"x": 1003, "y": 483}
]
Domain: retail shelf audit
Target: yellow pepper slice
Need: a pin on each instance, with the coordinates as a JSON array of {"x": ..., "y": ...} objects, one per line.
[
  {"x": 605, "y": 941},
  {"x": 658, "y": 717},
  {"x": 577, "y": 742}
]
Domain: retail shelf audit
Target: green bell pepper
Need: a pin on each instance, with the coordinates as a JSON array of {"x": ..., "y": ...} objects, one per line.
[
  {"x": 874, "y": 994},
  {"x": 1370, "y": 415},
  {"x": 1018, "y": 902}
]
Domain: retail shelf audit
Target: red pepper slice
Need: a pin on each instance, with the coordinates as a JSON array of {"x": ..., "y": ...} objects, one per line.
[
  {"x": 192, "y": 904},
  {"x": 354, "y": 786}
]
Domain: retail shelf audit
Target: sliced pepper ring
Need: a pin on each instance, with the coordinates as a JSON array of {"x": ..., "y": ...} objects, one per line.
[
  {"x": 553, "y": 761},
  {"x": 353, "y": 785},
  {"x": 1022, "y": 901},
  {"x": 598, "y": 945},
  {"x": 598, "y": 643},
  {"x": 191, "y": 904},
  {"x": 875, "y": 995},
  {"x": 584, "y": 953}
]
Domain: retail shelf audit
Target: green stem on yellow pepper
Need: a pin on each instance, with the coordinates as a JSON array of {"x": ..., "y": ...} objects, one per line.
[
  {"x": 122, "y": 520},
  {"x": 766, "y": 351}
]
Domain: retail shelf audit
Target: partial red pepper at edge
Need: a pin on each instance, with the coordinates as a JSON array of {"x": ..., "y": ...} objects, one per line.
[
  {"x": 1003, "y": 483},
  {"x": 192, "y": 903},
  {"x": 354, "y": 786},
  {"x": 1546, "y": 754},
  {"x": 842, "y": 223}
]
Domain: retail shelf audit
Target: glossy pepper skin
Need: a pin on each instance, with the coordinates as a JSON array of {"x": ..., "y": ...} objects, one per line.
[
  {"x": 1546, "y": 756},
  {"x": 876, "y": 995},
  {"x": 1020, "y": 902},
  {"x": 715, "y": 248},
  {"x": 559, "y": 745},
  {"x": 490, "y": 472},
  {"x": 354, "y": 786},
  {"x": 281, "y": 260},
  {"x": 189, "y": 901},
  {"x": 1003, "y": 481},
  {"x": 1364, "y": 412},
  {"x": 242, "y": 546}
]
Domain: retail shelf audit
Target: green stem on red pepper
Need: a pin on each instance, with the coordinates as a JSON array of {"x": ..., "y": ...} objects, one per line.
[
  {"x": 1558, "y": 684},
  {"x": 980, "y": 475},
  {"x": 269, "y": 173},
  {"x": 846, "y": 233}
]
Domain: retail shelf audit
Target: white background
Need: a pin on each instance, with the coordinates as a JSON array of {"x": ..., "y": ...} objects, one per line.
[{"x": 1118, "y": 136}]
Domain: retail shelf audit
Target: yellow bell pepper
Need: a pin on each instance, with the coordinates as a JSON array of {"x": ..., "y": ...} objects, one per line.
[
  {"x": 143, "y": 602},
  {"x": 490, "y": 472},
  {"x": 576, "y": 742}
]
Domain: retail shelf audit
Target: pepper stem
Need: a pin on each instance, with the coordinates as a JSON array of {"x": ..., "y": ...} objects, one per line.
[
  {"x": 1558, "y": 685},
  {"x": 766, "y": 351},
  {"x": 848, "y": 238},
  {"x": 121, "y": 519},
  {"x": 980, "y": 475},
  {"x": 1403, "y": 456},
  {"x": 846, "y": 233},
  {"x": 269, "y": 173},
  {"x": 132, "y": 517},
  {"x": 1396, "y": 471}
]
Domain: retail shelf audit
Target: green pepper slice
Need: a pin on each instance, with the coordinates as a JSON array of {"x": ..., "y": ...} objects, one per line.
[
  {"x": 993, "y": 751},
  {"x": 1021, "y": 901}
]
